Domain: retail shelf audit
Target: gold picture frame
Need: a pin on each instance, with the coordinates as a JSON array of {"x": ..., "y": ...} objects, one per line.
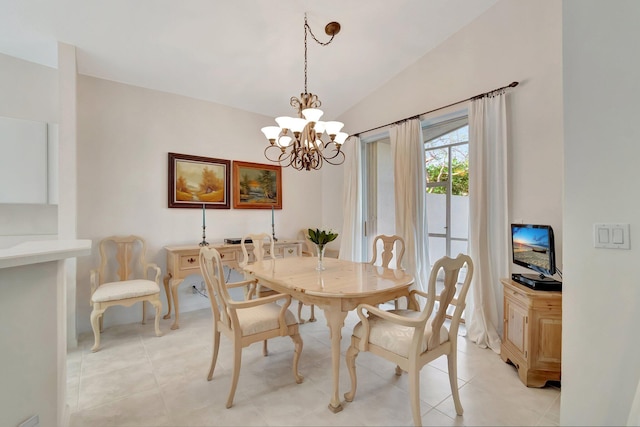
[
  {"x": 195, "y": 181},
  {"x": 256, "y": 186}
]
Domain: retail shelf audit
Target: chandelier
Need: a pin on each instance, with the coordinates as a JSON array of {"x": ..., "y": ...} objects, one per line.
[{"x": 297, "y": 141}]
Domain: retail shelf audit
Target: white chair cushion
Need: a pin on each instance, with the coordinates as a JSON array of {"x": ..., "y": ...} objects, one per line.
[
  {"x": 113, "y": 291},
  {"x": 262, "y": 318},
  {"x": 397, "y": 338}
]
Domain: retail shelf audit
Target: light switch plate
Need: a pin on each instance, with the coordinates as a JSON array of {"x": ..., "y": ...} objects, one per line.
[{"x": 611, "y": 236}]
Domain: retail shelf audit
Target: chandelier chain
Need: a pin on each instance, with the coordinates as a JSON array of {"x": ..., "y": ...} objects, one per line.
[{"x": 308, "y": 28}]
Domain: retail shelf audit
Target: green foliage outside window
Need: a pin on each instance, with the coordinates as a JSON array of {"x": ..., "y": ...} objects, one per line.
[{"x": 437, "y": 172}]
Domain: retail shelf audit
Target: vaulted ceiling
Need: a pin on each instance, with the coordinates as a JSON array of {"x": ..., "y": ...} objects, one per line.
[{"x": 247, "y": 54}]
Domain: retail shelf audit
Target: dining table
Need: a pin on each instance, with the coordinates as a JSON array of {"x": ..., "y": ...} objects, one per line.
[{"x": 337, "y": 289}]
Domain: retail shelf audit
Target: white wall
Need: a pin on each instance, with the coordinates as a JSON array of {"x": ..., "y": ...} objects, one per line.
[
  {"x": 29, "y": 340},
  {"x": 124, "y": 136},
  {"x": 28, "y": 91},
  {"x": 512, "y": 41},
  {"x": 601, "y": 293}
]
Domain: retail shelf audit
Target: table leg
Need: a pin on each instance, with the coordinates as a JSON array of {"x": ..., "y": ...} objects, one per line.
[
  {"x": 176, "y": 304},
  {"x": 335, "y": 321},
  {"x": 168, "y": 294}
]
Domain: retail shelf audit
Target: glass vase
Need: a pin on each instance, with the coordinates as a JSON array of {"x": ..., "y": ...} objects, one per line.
[{"x": 320, "y": 251}]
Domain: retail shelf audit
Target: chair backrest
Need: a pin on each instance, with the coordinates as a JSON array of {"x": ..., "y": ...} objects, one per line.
[
  {"x": 258, "y": 241},
  {"x": 122, "y": 258},
  {"x": 450, "y": 267},
  {"x": 213, "y": 274},
  {"x": 309, "y": 246},
  {"x": 390, "y": 245}
]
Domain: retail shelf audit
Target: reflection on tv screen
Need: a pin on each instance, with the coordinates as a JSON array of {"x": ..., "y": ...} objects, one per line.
[{"x": 531, "y": 246}]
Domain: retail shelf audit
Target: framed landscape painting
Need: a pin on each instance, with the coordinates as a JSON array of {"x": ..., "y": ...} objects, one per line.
[
  {"x": 196, "y": 181},
  {"x": 256, "y": 186}
]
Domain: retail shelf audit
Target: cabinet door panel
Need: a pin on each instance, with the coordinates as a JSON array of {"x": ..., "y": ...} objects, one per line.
[{"x": 516, "y": 332}]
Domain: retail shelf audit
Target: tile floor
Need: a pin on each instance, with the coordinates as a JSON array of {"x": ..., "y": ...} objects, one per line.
[{"x": 138, "y": 379}]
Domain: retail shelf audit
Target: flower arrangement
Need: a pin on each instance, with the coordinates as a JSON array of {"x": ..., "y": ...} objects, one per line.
[{"x": 322, "y": 236}]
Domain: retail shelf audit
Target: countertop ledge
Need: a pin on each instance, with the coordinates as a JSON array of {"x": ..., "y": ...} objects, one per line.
[{"x": 38, "y": 251}]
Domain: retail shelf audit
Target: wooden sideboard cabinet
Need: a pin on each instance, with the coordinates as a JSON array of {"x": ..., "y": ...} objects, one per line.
[
  {"x": 532, "y": 337},
  {"x": 183, "y": 261}
]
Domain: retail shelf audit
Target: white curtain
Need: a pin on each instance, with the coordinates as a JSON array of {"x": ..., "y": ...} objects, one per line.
[
  {"x": 488, "y": 218},
  {"x": 351, "y": 234},
  {"x": 407, "y": 149}
]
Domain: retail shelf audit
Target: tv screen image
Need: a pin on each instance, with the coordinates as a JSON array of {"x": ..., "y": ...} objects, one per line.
[{"x": 532, "y": 247}]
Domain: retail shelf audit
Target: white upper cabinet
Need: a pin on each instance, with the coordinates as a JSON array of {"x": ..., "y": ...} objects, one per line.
[{"x": 24, "y": 168}]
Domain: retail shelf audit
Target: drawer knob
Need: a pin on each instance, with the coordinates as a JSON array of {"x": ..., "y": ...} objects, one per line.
[
  {"x": 221, "y": 256},
  {"x": 290, "y": 251},
  {"x": 191, "y": 260}
]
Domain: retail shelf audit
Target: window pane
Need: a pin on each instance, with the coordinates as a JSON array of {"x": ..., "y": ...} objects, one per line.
[
  {"x": 454, "y": 137},
  {"x": 459, "y": 217},
  {"x": 437, "y": 164},
  {"x": 459, "y": 247},
  {"x": 437, "y": 213},
  {"x": 437, "y": 248}
]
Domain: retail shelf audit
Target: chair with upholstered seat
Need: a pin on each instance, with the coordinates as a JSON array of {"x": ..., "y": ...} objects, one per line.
[
  {"x": 392, "y": 246},
  {"x": 245, "y": 322},
  {"x": 258, "y": 253},
  {"x": 123, "y": 279},
  {"x": 411, "y": 339}
]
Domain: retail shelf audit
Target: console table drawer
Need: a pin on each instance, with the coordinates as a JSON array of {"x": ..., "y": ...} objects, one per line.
[
  {"x": 229, "y": 255},
  {"x": 289, "y": 251},
  {"x": 188, "y": 262}
]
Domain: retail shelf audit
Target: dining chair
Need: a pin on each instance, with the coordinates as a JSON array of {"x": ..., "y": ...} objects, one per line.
[
  {"x": 411, "y": 339},
  {"x": 257, "y": 254},
  {"x": 245, "y": 322},
  {"x": 392, "y": 246},
  {"x": 123, "y": 279}
]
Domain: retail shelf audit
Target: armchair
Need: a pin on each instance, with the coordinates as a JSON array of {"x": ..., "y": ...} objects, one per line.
[
  {"x": 245, "y": 322},
  {"x": 411, "y": 339},
  {"x": 122, "y": 279}
]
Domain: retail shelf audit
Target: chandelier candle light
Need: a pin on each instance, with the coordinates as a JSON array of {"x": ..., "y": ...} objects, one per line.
[{"x": 297, "y": 141}]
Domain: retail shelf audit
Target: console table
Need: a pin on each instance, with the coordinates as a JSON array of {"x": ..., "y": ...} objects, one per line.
[
  {"x": 183, "y": 261},
  {"x": 532, "y": 333}
]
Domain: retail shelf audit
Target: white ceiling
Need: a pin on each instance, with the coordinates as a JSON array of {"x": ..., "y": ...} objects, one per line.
[{"x": 247, "y": 54}]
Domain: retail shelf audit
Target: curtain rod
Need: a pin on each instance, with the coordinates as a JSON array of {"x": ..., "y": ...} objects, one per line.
[{"x": 482, "y": 95}]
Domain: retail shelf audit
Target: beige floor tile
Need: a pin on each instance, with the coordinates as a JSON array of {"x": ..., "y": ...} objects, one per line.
[{"x": 136, "y": 373}]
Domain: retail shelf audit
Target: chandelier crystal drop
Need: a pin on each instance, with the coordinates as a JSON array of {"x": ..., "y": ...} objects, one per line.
[{"x": 298, "y": 141}]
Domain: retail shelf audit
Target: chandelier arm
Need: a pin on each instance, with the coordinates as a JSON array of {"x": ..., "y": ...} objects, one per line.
[
  {"x": 341, "y": 161},
  {"x": 267, "y": 150}
]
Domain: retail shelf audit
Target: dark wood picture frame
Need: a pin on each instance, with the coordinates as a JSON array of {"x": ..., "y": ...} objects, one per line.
[
  {"x": 256, "y": 186},
  {"x": 195, "y": 181}
]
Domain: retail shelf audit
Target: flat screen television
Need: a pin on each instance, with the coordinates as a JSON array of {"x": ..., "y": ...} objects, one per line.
[{"x": 533, "y": 247}]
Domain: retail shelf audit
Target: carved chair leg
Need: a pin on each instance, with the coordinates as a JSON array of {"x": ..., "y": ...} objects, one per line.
[
  {"x": 144, "y": 313},
  {"x": 313, "y": 313},
  {"x": 237, "y": 361},
  {"x": 398, "y": 370},
  {"x": 453, "y": 380},
  {"x": 300, "y": 319},
  {"x": 414, "y": 394},
  {"x": 265, "y": 350},
  {"x": 296, "y": 357},
  {"x": 96, "y": 317},
  {"x": 158, "y": 306},
  {"x": 352, "y": 353},
  {"x": 214, "y": 357}
]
